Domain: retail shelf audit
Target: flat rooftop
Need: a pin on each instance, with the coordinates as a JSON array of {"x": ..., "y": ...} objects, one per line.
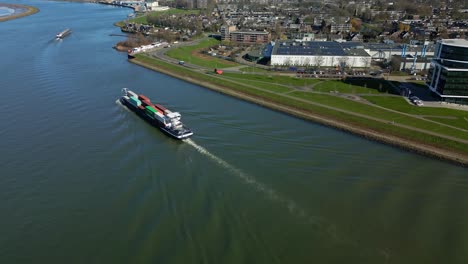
[
  {"x": 332, "y": 48},
  {"x": 324, "y": 48}
]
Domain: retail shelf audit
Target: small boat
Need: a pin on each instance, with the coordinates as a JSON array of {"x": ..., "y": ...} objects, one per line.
[{"x": 63, "y": 34}]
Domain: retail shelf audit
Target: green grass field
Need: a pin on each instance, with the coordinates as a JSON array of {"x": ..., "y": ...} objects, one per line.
[
  {"x": 143, "y": 19},
  {"x": 342, "y": 87},
  {"x": 371, "y": 111},
  {"x": 279, "y": 88},
  {"x": 274, "y": 79},
  {"x": 305, "y": 100},
  {"x": 447, "y": 116},
  {"x": 184, "y": 53},
  {"x": 355, "y": 86}
]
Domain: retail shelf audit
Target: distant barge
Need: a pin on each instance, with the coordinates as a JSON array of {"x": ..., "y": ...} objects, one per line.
[{"x": 63, "y": 34}]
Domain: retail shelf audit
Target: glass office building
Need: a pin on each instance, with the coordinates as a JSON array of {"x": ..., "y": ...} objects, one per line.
[{"x": 448, "y": 75}]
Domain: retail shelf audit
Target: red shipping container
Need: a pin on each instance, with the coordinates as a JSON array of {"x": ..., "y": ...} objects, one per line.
[
  {"x": 141, "y": 107},
  {"x": 160, "y": 107},
  {"x": 146, "y": 102},
  {"x": 143, "y": 98},
  {"x": 157, "y": 109}
]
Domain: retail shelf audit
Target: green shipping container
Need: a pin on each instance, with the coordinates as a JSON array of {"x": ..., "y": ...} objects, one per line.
[{"x": 150, "y": 109}]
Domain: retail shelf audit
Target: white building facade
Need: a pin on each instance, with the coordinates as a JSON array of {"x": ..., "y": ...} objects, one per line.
[
  {"x": 318, "y": 54},
  {"x": 321, "y": 61}
]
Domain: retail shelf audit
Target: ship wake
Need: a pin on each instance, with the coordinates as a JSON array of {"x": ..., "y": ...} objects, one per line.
[
  {"x": 319, "y": 223},
  {"x": 270, "y": 193},
  {"x": 123, "y": 106}
]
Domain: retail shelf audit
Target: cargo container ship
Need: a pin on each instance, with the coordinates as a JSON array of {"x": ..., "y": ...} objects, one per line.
[
  {"x": 63, "y": 34},
  {"x": 156, "y": 114}
]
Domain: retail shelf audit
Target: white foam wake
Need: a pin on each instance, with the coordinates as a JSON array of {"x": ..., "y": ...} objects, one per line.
[
  {"x": 260, "y": 187},
  {"x": 123, "y": 106},
  {"x": 321, "y": 224}
]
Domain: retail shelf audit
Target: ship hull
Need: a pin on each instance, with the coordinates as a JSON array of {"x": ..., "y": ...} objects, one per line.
[
  {"x": 154, "y": 122},
  {"x": 63, "y": 34}
]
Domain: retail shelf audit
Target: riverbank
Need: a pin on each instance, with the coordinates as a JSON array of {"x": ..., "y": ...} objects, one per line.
[
  {"x": 418, "y": 147},
  {"x": 18, "y": 11}
]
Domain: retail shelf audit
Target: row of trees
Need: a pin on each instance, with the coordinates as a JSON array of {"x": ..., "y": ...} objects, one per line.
[
  {"x": 319, "y": 62},
  {"x": 191, "y": 23}
]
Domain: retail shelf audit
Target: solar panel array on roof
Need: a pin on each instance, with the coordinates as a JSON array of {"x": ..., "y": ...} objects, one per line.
[
  {"x": 310, "y": 48},
  {"x": 324, "y": 48},
  {"x": 331, "y": 48}
]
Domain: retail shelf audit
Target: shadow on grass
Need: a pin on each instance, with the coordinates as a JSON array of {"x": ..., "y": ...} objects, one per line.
[{"x": 380, "y": 85}]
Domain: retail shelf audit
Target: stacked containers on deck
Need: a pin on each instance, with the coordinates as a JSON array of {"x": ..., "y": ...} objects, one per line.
[
  {"x": 155, "y": 113},
  {"x": 163, "y": 109},
  {"x": 160, "y": 117},
  {"x": 143, "y": 98},
  {"x": 150, "y": 111},
  {"x": 146, "y": 103},
  {"x": 160, "y": 107},
  {"x": 134, "y": 101}
]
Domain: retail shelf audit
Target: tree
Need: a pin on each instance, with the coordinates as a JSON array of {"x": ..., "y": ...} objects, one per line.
[
  {"x": 198, "y": 27},
  {"x": 323, "y": 25},
  {"x": 278, "y": 31},
  {"x": 356, "y": 24},
  {"x": 352, "y": 62},
  {"x": 343, "y": 63},
  {"x": 319, "y": 60},
  {"x": 365, "y": 61},
  {"x": 307, "y": 62},
  {"x": 287, "y": 62},
  {"x": 333, "y": 61},
  {"x": 366, "y": 15}
]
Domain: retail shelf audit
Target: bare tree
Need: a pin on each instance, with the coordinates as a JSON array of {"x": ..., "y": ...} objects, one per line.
[
  {"x": 333, "y": 61},
  {"x": 287, "y": 62},
  {"x": 352, "y": 62},
  {"x": 319, "y": 60},
  {"x": 365, "y": 61},
  {"x": 343, "y": 62},
  {"x": 307, "y": 63}
]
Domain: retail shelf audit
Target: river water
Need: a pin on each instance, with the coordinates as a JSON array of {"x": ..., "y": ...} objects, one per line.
[{"x": 83, "y": 180}]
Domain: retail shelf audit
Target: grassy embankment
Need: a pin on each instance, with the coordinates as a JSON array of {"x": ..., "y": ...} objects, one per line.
[
  {"x": 191, "y": 55},
  {"x": 143, "y": 19},
  {"x": 302, "y": 94},
  {"x": 447, "y": 116}
]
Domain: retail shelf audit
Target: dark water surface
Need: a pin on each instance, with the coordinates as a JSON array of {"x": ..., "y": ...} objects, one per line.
[{"x": 82, "y": 180}]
